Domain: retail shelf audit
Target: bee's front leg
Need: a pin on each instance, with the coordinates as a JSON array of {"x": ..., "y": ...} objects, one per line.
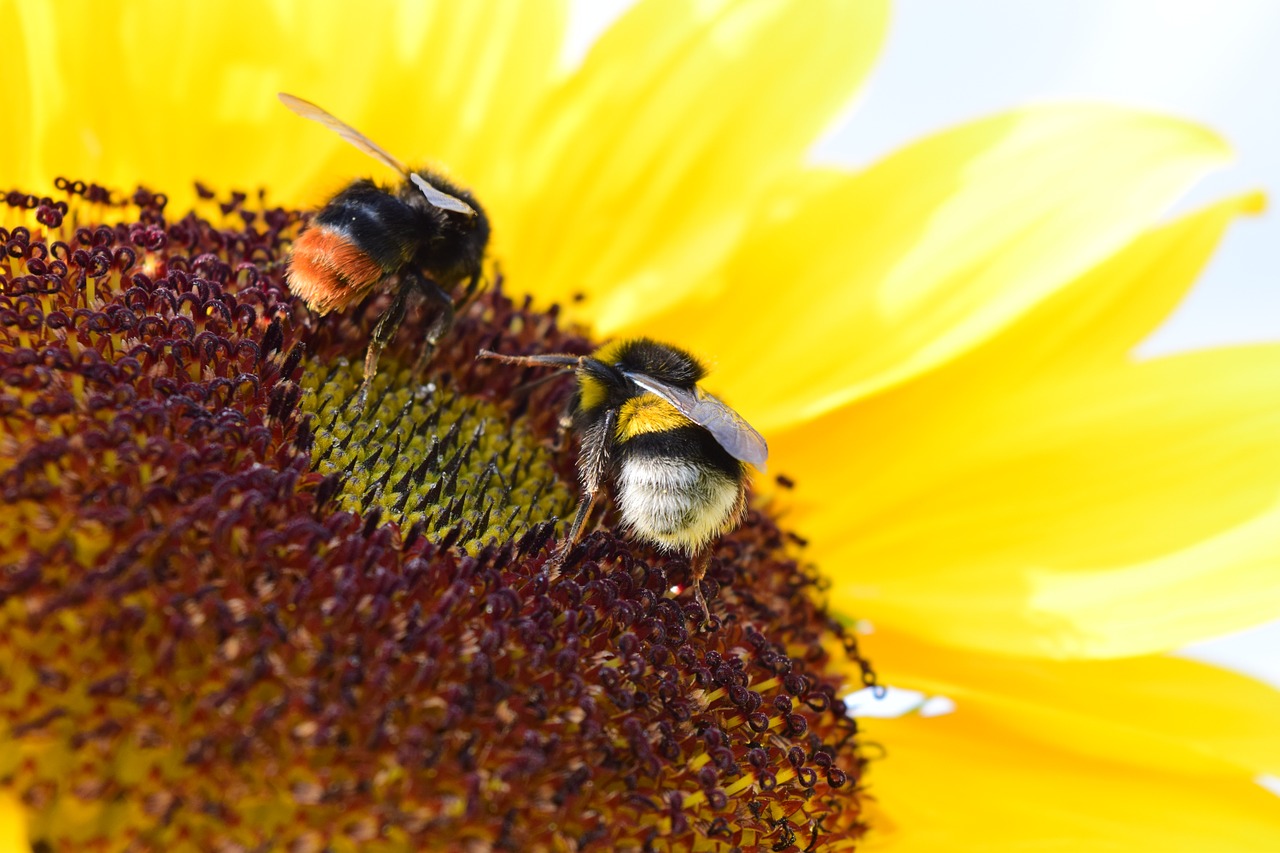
[
  {"x": 563, "y": 427},
  {"x": 593, "y": 462},
  {"x": 585, "y": 504},
  {"x": 440, "y": 318}
]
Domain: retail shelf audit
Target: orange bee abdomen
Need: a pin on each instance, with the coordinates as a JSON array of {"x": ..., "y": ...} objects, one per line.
[{"x": 329, "y": 272}]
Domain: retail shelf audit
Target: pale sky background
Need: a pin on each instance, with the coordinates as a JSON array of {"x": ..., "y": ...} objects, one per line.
[{"x": 1213, "y": 61}]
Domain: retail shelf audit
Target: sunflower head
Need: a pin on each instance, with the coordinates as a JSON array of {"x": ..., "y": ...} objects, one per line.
[{"x": 247, "y": 614}]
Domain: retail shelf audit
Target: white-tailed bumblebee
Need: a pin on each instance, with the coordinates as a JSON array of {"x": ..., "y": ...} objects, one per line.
[
  {"x": 677, "y": 456},
  {"x": 428, "y": 232}
]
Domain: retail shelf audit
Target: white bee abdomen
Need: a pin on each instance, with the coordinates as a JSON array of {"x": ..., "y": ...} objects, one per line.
[{"x": 675, "y": 503}]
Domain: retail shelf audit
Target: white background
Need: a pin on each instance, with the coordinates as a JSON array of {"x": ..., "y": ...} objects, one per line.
[{"x": 1214, "y": 61}]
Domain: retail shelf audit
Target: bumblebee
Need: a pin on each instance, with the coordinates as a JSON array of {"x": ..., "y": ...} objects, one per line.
[
  {"x": 677, "y": 456},
  {"x": 426, "y": 231}
]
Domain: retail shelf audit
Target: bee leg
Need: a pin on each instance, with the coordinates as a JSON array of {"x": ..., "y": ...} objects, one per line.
[
  {"x": 593, "y": 461},
  {"x": 388, "y": 323},
  {"x": 698, "y": 569},
  {"x": 573, "y": 534},
  {"x": 563, "y": 428},
  {"x": 440, "y": 311},
  {"x": 473, "y": 286}
]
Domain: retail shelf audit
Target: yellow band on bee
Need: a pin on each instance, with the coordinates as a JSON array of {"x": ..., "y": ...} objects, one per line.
[
  {"x": 647, "y": 413},
  {"x": 591, "y": 392}
]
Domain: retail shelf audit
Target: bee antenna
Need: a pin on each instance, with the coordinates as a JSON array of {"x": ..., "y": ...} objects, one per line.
[
  {"x": 541, "y": 380},
  {"x": 558, "y": 358}
]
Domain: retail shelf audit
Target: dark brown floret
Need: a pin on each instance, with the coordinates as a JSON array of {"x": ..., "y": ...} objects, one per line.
[{"x": 203, "y": 644}]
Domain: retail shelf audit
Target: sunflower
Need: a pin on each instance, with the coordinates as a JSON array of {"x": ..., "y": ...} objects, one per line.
[{"x": 939, "y": 348}]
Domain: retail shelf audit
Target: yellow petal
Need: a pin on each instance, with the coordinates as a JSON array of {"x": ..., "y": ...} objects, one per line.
[
  {"x": 927, "y": 254},
  {"x": 643, "y": 169},
  {"x": 1100, "y": 318},
  {"x": 1154, "y": 711},
  {"x": 912, "y": 447},
  {"x": 963, "y": 782},
  {"x": 167, "y": 92},
  {"x": 1122, "y": 512}
]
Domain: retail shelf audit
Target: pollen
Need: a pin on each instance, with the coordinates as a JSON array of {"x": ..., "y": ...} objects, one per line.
[{"x": 463, "y": 467}]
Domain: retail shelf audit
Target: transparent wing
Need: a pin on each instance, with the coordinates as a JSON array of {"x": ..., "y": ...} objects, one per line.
[
  {"x": 306, "y": 109},
  {"x": 439, "y": 199},
  {"x": 728, "y": 427}
]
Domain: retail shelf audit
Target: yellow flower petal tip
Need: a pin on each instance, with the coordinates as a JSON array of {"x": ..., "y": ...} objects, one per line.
[
  {"x": 1255, "y": 203},
  {"x": 957, "y": 236}
]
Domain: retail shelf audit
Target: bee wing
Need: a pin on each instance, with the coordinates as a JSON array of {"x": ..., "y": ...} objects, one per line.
[
  {"x": 729, "y": 428},
  {"x": 439, "y": 199},
  {"x": 306, "y": 109}
]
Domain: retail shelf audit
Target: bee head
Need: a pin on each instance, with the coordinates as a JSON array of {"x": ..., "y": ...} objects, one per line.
[
  {"x": 668, "y": 364},
  {"x": 602, "y": 376},
  {"x": 474, "y": 227}
]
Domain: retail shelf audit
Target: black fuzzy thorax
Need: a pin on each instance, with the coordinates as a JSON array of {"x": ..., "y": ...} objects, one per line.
[
  {"x": 610, "y": 364},
  {"x": 399, "y": 227},
  {"x": 663, "y": 362}
]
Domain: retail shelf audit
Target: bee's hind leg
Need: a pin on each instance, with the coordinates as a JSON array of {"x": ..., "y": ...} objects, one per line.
[{"x": 388, "y": 323}]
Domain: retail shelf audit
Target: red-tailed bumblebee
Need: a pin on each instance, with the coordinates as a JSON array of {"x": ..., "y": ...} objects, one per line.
[
  {"x": 677, "y": 456},
  {"x": 427, "y": 233}
]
